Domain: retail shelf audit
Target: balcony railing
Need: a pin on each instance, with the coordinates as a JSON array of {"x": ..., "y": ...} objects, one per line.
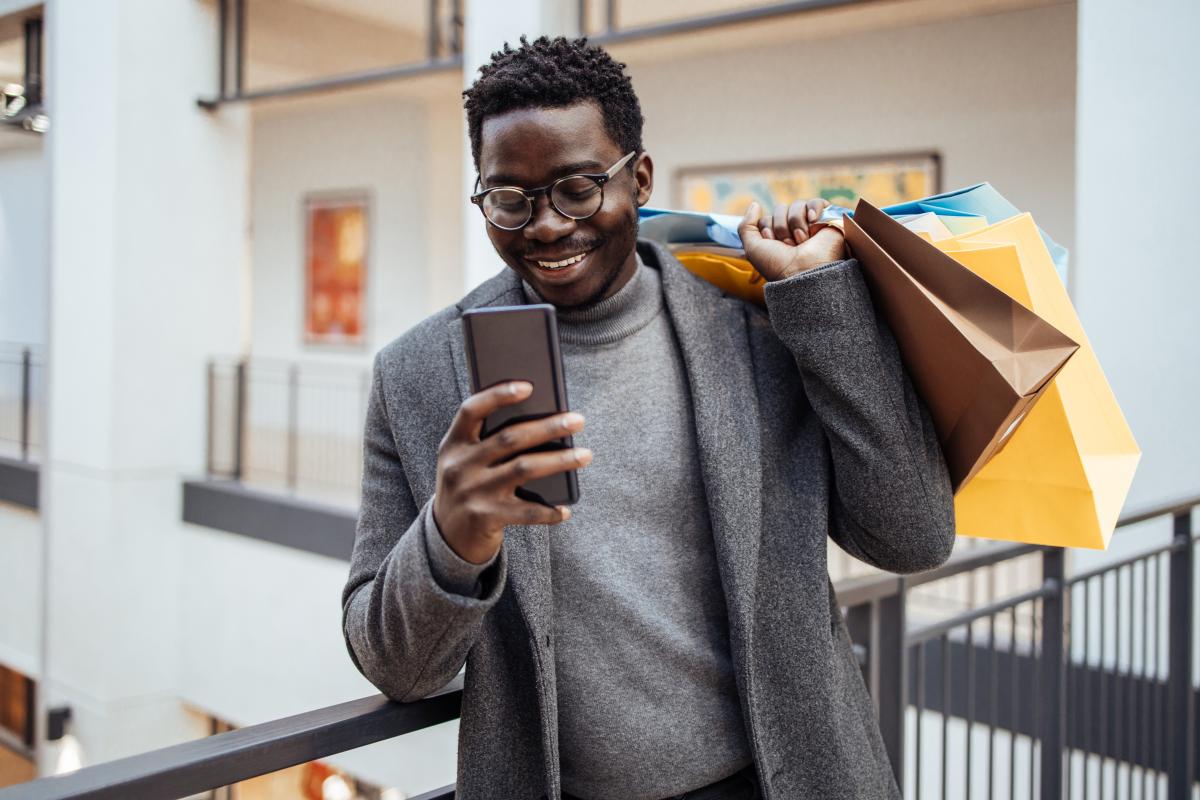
[
  {"x": 1080, "y": 687},
  {"x": 282, "y": 425},
  {"x": 21, "y": 378}
]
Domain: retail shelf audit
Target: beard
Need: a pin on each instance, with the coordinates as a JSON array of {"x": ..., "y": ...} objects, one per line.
[{"x": 629, "y": 235}]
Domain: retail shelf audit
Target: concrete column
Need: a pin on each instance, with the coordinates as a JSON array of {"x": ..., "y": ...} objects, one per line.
[
  {"x": 147, "y": 270},
  {"x": 486, "y": 27},
  {"x": 1137, "y": 267}
]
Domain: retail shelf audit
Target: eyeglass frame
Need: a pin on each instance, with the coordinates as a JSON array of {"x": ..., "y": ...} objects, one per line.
[{"x": 600, "y": 179}]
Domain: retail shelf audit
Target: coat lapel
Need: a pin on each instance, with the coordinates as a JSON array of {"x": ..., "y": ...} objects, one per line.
[
  {"x": 715, "y": 344},
  {"x": 713, "y": 336}
]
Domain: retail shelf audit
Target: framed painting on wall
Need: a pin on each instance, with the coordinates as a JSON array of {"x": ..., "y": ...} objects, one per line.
[
  {"x": 882, "y": 180},
  {"x": 335, "y": 269}
]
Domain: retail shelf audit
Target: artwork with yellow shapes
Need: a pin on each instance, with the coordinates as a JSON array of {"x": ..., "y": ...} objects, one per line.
[{"x": 881, "y": 180}]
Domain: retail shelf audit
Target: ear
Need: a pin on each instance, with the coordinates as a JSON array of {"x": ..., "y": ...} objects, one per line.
[{"x": 643, "y": 174}]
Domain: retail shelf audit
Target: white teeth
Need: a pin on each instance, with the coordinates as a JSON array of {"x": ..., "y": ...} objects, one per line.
[{"x": 560, "y": 264}]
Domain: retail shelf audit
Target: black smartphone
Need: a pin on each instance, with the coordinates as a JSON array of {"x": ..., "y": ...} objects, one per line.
[{"x": 520, "y": 343}]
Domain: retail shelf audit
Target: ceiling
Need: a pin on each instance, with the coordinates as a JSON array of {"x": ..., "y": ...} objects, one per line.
[{"x": 294, "y": 40}]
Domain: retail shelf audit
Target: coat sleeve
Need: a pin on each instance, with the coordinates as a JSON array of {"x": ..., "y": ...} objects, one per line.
[
  {"x": 892, "y": 505},
  {"x": 407, "y": 630}
]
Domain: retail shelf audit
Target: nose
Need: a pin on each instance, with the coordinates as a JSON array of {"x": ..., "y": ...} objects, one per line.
[{"x": 546, "y": 224}]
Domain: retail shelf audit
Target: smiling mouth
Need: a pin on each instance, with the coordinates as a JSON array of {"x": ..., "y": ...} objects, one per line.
[{"x": 563, "y": 264}]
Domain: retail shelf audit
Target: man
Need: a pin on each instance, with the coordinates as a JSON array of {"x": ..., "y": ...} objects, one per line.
[{"x": 675, "y": 634}]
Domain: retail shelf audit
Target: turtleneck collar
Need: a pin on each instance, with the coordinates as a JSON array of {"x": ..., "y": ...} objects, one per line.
[{"x": 632, "y": 308}]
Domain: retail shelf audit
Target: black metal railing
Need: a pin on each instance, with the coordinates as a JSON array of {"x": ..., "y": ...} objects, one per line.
[
  {"x": 282, "y": 425},
  {"x": 22, "y": 373},
  {"x": 1015, "y": 686}
]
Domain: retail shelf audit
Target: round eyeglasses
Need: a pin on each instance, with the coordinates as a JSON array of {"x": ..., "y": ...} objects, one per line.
[{"x": 574, "y": 196}]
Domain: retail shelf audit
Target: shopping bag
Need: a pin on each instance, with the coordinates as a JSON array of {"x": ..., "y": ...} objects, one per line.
[
  {"x": 980, "y": 200},
  {"x": 1065, "y": 473},
  {"x": 724, "y": 267},
  {"x": 979, "y": 359},
  {"x": 708, "y": 245}
]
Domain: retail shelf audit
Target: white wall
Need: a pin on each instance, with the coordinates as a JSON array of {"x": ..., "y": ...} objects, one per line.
[
  {"x": 995, "y": 95},
  {"x": 1138, "y": 273},
  {"x": 24, "y": 232},
  {"x": 263, "y": 641},
  {"x": 394, "y": 148}
]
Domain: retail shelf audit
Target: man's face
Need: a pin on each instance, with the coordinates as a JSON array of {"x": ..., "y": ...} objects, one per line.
[{"x": 533, "y": 147}]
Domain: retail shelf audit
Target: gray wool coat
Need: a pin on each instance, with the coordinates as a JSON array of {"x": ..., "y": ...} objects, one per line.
[{"x": 807, "y": 427}]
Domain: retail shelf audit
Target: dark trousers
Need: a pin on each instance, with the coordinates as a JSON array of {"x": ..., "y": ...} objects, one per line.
[{"x": 742, "y": 785}]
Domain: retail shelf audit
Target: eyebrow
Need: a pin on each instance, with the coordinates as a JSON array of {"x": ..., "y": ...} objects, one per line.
[{"x": 593, "y": 167}]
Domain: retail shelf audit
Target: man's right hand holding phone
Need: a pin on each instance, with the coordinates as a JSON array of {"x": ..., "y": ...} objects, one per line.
[{"x": 477, "y": 478}]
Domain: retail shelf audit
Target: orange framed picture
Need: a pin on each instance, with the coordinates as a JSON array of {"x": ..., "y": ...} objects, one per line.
[{"x": 335, "y": 270}]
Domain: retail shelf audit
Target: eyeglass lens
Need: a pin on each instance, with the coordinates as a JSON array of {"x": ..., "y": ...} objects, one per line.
[{"x": 576, "y": 197}]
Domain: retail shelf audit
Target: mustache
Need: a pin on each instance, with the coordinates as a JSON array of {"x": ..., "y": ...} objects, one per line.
[{"x": 564, "y": 247}]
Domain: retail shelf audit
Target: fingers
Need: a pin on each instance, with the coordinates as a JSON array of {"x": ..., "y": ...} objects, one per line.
[
  {"x": 779, "y": 225},
  {"x": 797, "y": 221},
  {"x": 468, "y": 421},
  {"x": 525, "y": 512},
  {"x": 790, "y": 224},
  {"x": 813, "y": 209},
  {"x": 532, "y": 466},
  {"x": 526, "y": 435}
]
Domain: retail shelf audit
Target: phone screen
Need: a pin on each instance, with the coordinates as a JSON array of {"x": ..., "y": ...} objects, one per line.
[{"x": 508, "y": 343}]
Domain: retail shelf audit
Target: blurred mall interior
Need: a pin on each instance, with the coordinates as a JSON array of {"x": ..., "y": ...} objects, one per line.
[{"x": 213, "y": 213}]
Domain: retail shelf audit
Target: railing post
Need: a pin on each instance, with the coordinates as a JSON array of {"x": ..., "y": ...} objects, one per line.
[
  {"x": 892, "y": 675},
  {"x": 456, "y": 25},
  {"x": 239, "y": 47},
  {"x": 211, "y": 402},
  {"x": 293, "y": 431},
  {"x": 434, "y": 24},
  {"x": 1052, "y": 681},
  {"x": 239, "y": 419},
  {"x": 1181, "y": 711},
  {"x": 222, "y": 48},
  {"x": 33, "y": 60},
  {"x": 26, "y": 375},
  {"x": 880, "y": 626}
]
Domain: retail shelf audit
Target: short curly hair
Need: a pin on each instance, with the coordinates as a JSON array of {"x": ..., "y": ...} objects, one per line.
[{"x": 551, "y": 73}]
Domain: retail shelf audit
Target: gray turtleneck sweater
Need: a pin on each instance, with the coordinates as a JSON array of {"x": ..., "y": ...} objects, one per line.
[{"x": 647, "y": 705}]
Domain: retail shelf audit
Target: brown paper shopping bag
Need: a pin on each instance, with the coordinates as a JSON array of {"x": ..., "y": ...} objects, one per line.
[
  {"x": 1064, "y": 476},
  {"x": 978, "y": 358}
]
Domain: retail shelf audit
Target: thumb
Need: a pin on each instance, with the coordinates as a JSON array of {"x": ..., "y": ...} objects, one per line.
[{"x": 748, "y": 229}]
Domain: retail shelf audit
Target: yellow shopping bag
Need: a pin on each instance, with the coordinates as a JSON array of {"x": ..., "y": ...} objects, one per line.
[
  {"x": 1063, "y": 476},
  {"x": 725, "y": 268}
]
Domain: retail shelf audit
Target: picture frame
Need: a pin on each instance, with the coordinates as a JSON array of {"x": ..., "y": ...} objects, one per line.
[
  {"x": 883, "y": 179},
  {"x": 336, "y": 258}
]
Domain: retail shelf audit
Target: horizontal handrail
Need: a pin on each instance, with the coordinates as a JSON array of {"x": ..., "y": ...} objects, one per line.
[
  {"x": 1112, "y": 566},
  {"x": 1169, "y": 508},
  {"x": 230, "y": 757},
  {"x": 227, "y": 758},
  {"x": 936, "y": 629},
  {"x": 868, "y": 588}
]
